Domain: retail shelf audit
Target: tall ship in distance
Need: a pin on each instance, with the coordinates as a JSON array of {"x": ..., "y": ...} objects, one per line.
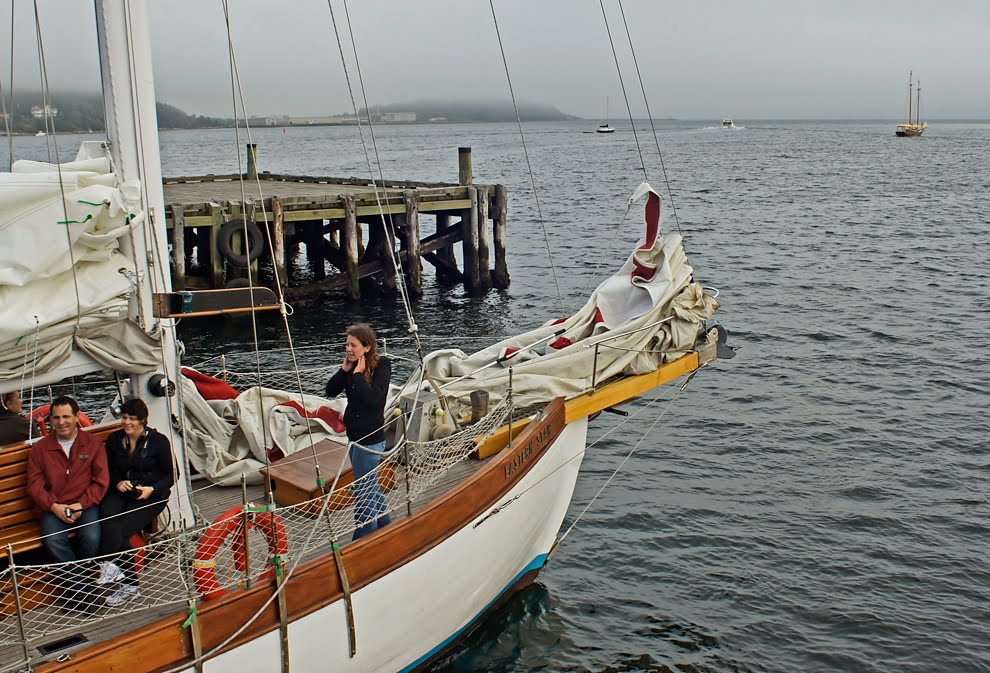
[{"x": 916, "y": 127}]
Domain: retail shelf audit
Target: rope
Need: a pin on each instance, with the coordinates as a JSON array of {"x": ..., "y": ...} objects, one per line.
[
  {"x": 529, "y": 166},
  {"x": 278, "y": 281},
  {"x": 10, "y": 134},
  {"x": 625, "y": 460},
  {"x": 400, "y": 279},
  {"x": 622, "y": 84},
  {"x": 47, "y": 103},
  {"x": 649, "y": 116},
  {"x": 387, "y": 230}
]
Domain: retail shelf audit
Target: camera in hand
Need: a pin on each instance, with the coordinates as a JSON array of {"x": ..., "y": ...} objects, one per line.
[{"x": 135, "y": 491}]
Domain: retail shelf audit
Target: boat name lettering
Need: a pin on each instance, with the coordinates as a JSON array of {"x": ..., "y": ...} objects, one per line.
[{"x": 539, "y": 439}]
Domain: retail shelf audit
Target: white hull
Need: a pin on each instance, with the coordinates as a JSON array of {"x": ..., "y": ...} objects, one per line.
[{"x": 411, "y": 614}]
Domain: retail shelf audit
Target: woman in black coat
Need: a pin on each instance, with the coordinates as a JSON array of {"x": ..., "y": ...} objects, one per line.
[
  {"x": 364, "y": 377},
  {"x": 140, "y": 463}
]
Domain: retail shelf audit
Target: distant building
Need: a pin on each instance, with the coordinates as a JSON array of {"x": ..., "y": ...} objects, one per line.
[
  {"x": 398, "y": 116},
  {"x": 310, "y": 121},
  {"x": 39, "y": 112}
]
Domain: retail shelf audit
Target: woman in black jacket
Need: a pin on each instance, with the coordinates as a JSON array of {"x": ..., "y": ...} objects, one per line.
[
  {"x": 364, "y": 377},
  {"x": 140, "y": 463}
]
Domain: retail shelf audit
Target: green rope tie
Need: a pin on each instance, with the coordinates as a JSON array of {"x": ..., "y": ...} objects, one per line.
[
  {"x": 86, "y": 219},
  {"x": 261, "y": 509},
  {"x": 90, "y": 203},
  {"x": 191, "y": 618},
  {"x": 320, "y": 483},
  {"x": 277, "y": 562},
  {"x": 335, "y": 546}
]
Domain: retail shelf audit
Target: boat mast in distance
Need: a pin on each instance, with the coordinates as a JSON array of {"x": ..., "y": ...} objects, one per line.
[{"x": 910, "y": 129}]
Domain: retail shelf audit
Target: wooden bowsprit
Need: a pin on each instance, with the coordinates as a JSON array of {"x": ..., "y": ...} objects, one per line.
[{"x": 199, "y": 303}]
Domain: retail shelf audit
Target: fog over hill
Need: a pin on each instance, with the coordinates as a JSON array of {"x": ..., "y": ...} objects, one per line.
[{"x": 474, "y": 110}]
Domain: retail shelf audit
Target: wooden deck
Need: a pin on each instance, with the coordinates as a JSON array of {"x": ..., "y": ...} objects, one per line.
[{"x": 210, "y": 502}]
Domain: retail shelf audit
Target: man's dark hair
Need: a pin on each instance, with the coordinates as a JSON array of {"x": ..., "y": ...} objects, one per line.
[{"x": 63, "y": 400}]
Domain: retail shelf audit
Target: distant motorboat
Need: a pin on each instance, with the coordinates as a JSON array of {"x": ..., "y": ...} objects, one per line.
[
  {"x": 909, "y": 129},
  {"x": 727, "y": 123},
  {"x": 39, "y": 134}
]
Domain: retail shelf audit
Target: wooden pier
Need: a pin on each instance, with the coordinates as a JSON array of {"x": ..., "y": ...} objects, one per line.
[{"x": 339, "y": 221}]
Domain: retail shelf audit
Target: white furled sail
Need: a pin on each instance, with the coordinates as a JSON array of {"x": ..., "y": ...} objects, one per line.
[
  {"x": 74, "y": 291},
  {"x": 646, "y": 314}
]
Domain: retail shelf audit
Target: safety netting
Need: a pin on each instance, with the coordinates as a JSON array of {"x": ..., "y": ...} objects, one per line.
[{"x": 246, "y": 545}]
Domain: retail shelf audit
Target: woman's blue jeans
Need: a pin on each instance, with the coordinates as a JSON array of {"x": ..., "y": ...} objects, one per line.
[{"x": 370, "y": 510}]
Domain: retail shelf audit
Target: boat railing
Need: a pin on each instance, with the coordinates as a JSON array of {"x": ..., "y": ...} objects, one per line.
[{"x": 202, "y": 563}]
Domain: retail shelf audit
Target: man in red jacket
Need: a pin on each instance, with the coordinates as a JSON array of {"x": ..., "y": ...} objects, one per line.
[{"x": 67, "y": 477}]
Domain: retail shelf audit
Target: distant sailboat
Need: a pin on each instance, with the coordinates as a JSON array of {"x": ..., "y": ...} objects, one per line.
[
  {"x": 910, "y": 129},
  {"x": 605, "y": 128}
]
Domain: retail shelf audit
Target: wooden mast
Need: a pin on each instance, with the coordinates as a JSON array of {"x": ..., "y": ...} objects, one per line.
[
  {"x": 910, "y": 88},
  {"x": 917, "y": 108}
]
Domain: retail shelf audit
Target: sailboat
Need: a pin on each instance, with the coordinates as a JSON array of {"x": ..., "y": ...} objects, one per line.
[
  {"x": 477, "y": 495},
  {"x": 911, "y": 128},
  {"x": 605, "y": 128}
]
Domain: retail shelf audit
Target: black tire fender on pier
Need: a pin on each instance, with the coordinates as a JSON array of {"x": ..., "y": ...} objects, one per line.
[{"x": 255, "y": 243}]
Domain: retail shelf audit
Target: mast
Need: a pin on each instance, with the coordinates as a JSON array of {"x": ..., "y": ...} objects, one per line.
[
  {"x": 910, "y": 87},
  {"x": 917, "y": 108},
  {"x": 132, "y": 126}
]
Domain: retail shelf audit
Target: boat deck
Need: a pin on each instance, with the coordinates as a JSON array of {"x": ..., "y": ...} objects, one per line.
[{"x": 75, "y": 632}]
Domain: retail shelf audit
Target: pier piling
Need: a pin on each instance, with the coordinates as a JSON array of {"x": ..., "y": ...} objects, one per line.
[
  {"x": 500, "y": 278},
  {"x": 351, "y": 246},
  {"x": 178, "y": 248},
  {"x": 414, "y": 265}
]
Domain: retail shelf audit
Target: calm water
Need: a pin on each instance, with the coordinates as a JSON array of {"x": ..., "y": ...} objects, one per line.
[{"x": 817, "y": 504}]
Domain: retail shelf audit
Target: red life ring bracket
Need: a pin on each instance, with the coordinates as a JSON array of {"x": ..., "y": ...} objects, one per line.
[{"x": 230, "y": 524}]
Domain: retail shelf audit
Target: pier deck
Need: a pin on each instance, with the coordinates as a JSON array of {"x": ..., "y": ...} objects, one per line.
[{"x": 339, "y": 220}]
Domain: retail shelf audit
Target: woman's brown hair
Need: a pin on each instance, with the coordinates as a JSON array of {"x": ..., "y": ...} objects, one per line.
[{"x": 363, "y": 333}]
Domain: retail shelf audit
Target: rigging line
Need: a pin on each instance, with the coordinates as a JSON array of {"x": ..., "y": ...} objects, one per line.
[
  {"x": 236, "y": 85},
  {"x": 529, "y": 165},
  {"x": 584, "y": 450},
  {"x": 142, "y": 169},
  {"x": 622, "y": 464},
  {"x": 6, "y": 121},
  {"x": 625, "y": 96},
  {"x": 649, "y": 115},
  {"x": 34, "y": 370},
  {"x": 605, "y": 253},
  {"x": 41, "y": 74},
  {"x": 46, "y": 100},
  {"x": 10, "y": 135},
  {"x": 387, "y": 230},
  {"x": 280, "y": 587},
  {"x": 400, "y": 280}
]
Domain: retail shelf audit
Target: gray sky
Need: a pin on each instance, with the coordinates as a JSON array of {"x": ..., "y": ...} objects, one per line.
[{"x": 700, "y": 59}]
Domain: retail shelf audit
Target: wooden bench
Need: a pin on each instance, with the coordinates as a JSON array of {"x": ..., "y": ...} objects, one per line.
[{"x": 19, "y": 524}]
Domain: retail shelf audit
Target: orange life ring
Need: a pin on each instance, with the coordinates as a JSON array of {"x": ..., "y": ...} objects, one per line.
[
  {"x": 39, "y": 415},
  {"x": 228, "y": 524}
]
